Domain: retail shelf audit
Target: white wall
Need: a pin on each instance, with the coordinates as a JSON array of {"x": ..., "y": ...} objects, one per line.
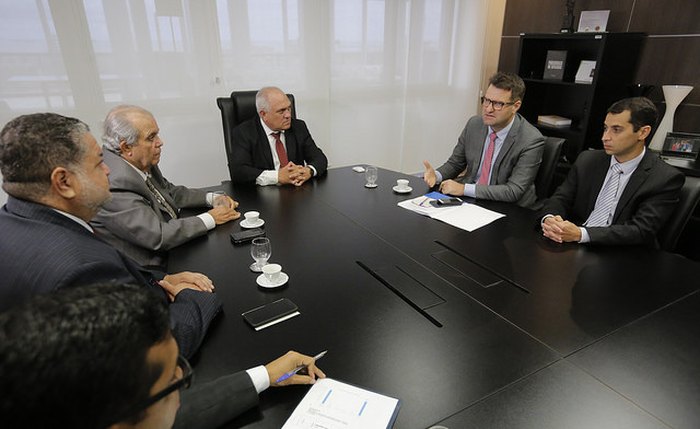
[{"x": 384, "y": 82}]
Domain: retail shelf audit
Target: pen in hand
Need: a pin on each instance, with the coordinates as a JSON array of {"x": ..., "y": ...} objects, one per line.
[{"x": 286, "y": 375}]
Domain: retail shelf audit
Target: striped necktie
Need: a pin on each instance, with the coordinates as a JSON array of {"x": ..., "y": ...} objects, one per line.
[
  {"x": 602, "y": 213},
  {"x": 156, "y": 193}
]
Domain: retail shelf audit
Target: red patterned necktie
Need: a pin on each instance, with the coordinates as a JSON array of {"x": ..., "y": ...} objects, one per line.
[
  {"x": 281, "y": 152},
  {"x": 486, "y": 165}
]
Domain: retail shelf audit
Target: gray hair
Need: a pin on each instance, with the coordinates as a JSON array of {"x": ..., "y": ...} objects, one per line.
[
  {"x": 118, "y": 126},
  {"x": 262, "y": 101},
  {"x": 32, "y": 146}
]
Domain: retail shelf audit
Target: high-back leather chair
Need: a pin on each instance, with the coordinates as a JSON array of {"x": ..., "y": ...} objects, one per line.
[
  {"x": 238, "y": 108},
  {"x": 550, "y": 157},
  {"x": 671, "y": 231}
]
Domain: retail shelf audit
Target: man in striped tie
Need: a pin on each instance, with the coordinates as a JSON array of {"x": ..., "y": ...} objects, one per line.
[
  {"x": 499, "y": 152},
  {"x": 622, "y": 194}
]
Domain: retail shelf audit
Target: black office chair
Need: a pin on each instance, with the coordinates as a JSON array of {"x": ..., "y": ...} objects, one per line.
[
  {"x": 545, "y": 175},
  {"x": 238, "y": 108},
  {"x": 671, "y": 232}
]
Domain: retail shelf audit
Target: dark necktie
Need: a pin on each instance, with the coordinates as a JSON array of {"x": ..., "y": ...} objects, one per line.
[
  {"x": 281, "y": 152},
  {"x": 156, "y": 193}
]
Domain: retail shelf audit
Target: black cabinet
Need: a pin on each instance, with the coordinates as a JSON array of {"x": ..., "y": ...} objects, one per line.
[{"x": 616, "y": 56}]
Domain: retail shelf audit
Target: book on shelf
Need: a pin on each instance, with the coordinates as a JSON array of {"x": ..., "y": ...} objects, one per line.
[
  {"x": 554, "y": 65},
  {"x": 585, "y": 72},
  {"x": 554, "y": 121}
]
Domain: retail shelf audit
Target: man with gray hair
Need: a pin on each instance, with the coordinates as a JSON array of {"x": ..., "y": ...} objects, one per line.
[
  {"x": 274, "y": 148},
  {"x": 143, "y": 217},
  {"x": 54, "y": 173}
]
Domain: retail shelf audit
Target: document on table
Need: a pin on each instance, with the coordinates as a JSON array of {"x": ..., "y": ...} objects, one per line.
[
  {"x": 468, "y": 217},
  {"x": 331, "y": 404}
]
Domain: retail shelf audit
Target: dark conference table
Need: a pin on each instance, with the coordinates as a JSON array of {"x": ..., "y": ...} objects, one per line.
[{"x": 494, "y": 328}]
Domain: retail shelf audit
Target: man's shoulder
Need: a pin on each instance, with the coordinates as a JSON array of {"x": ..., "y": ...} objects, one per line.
[
  {"x": 248, "y": 126},
  {"x": 524, "y": 128}
]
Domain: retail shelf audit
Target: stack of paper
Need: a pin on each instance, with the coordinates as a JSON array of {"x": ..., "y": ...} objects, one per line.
[
  {"x": 468, "y": 217},
  {"x": 330, "y": 404},
  {"x": 554, "y": 121}
]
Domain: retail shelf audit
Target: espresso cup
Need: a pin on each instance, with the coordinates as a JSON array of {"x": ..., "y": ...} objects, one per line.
[
  {"x": 402, "y": 183},
  {"x": 252, "y": 218},
  {"x": 272, "y": 272}
]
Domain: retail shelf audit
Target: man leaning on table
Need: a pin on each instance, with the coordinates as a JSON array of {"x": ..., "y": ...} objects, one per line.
[
  {"x": 103, "y": 356},
  {"x": 622, "y": 194},
  {"x": 273, "y": 148},
  {"x": 56, "y": 181},
  {"x": 143, "y": 217},
  {"x": 498, "y": 151}
]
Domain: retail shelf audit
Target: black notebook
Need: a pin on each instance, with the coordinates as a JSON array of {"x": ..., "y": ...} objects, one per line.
[{"x": 271, "y": 313}]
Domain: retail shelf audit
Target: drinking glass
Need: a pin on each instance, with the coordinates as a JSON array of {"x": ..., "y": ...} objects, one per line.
[
  {"x": 260, "y": 250},
  {"x": 218, "y": 200},
  {"x": 370, "y": 176}
]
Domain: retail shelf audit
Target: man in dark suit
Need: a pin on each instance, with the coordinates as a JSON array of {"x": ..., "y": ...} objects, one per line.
[
  {"x": 498, "y": 151},
  {"x": 56, "y": 180},
  {"x": 101, "y": 356},
  {"x": 622, "y": 194},
  {"x": 274, "y": 149},
  {"x": 142, "y": 219}
]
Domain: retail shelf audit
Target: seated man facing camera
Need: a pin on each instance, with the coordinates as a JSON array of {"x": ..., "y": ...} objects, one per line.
[
  {"x": 622, "y": 194},
  {"x": 103, "y": 356},
  {"x": 274, "y": 149}
]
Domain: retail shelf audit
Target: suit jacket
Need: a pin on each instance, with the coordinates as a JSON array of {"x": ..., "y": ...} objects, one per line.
[
  {"x": 135, "y": 222},
  {"x": 514, "y": 171},
  {"x": 251, "y": 152},
  {"x": 210, "y": 405},
  {"x": 644, "y": 206},
  {"x": 44, "y": 250}
]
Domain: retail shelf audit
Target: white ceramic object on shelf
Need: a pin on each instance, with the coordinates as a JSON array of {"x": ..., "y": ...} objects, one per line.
[{"x": 673, "y": 95}]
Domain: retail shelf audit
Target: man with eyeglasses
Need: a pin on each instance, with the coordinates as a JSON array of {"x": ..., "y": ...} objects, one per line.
[
  {"x": 103, "y": 356},
  {"x": 498, "y": 152}
]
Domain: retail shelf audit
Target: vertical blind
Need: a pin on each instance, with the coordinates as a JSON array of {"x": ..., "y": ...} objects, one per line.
[{"x": 386, "y": 82}]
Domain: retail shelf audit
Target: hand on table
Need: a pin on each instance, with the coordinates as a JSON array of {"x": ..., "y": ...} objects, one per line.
[
  {"x": 557, "y": 229},
  {"x": 450, "y": 187},
  {"x": 278, "y": 367},
  {"x": 223, "y": 214},
  {"x": 175, "y": 283}
]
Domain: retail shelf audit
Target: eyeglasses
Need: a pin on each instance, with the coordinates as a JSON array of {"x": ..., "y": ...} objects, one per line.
[
  {"x": 497, "y": 105},
  {"x": 182, "y": 383}
]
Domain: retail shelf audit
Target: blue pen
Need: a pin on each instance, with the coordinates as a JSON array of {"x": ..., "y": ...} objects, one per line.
[{"x": 299, "y": 368}]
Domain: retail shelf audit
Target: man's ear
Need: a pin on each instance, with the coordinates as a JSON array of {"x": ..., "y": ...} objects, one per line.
[
  {"x": 517, "y": 105},
  {"x": 63, "y": 182},
  {"x": 644, "y": 132},
  {"x": 125, "y": 148}
]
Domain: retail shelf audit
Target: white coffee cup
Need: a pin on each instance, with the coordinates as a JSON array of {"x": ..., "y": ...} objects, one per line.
[
  {"x": 251, "y": 218},
  {"x": 402, "y": 184},
  {"x": 272, "y": 272}
]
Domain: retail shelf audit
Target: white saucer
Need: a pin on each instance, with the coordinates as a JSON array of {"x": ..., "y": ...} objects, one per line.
[
  {"x": 262, "y": 281},
  {"x": 258, "y": 224},
  {"x": 367, "y": 185},
  {"x": 405, "y": 190}
]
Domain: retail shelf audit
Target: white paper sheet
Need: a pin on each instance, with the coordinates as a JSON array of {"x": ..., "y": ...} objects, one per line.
[
  {"x": 331, "y": 404},
  {"x": 468, "y": 217}
]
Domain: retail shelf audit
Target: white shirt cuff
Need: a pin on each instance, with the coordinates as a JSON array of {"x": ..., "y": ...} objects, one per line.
[
  {"x": 210, "y": 199},
  {"x": 470, "y": 190},
  {"x": 313, "y": 170},
  {"x": 208, "y": 220},
  {"x": 267, "y": 177},
  {"x": 585, "y": 238},
  {"x": 438, "y": 176},
  {"x": 260, "y": 378},
  {"x": 544, "y": 218}
]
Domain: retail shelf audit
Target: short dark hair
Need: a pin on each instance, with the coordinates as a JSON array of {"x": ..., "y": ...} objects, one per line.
[
  {"x": 78, "y": 357},
  {"x": 32, "y": 146},
  {"x": 509, "y": 82},
  {"x": 642, "y": 111}
]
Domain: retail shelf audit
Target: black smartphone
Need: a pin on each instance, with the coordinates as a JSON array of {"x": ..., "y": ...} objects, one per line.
[
  {"x": 270, "y": 314},
  {"x": 446, "y": 202},
  {"x": 240, "y": 237}
]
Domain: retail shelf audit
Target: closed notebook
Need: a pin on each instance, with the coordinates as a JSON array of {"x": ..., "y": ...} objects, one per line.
[{"x": 271, "y": 313}]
